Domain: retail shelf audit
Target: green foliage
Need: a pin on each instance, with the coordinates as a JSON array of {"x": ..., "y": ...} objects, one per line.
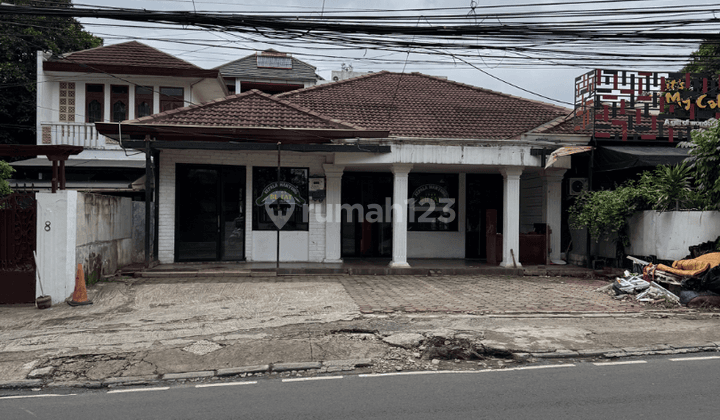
[
  {"x": 669, "y": 188},
  {"x": 607, "y": 211},
  {"x": 704, "y": 162},
  {"x": 20, "y": 39},
  {"x": 705, "y": 60},
  {"x": 5, "y": 172}
]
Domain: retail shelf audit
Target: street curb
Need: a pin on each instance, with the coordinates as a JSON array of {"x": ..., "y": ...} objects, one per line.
[
  {"x": 21, "y": 383},
  {"x": 617, "y": 353},
  {"x": 330, "y": 366}
]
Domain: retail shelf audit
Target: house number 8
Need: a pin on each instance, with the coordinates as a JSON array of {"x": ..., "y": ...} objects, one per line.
[{"x": 47, "y": 226}]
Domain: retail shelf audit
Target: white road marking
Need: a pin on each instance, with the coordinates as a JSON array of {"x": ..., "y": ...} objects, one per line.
[
  {"x": 541, "y": 367},
  {"x": 683, "y": 359},
  {"x": 226, "y": 384},
  {"x": 435, "y": 372},
  {"x": 35, "y": 396},
  {"x": 421, "y": 372},
  {"x": 317, "y": 378},
  {"x": 118, "y": 391},
  {"x": 628, "y": 362}
]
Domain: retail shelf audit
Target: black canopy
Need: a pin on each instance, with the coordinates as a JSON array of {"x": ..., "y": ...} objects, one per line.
[{"x": 614, "y": 158}]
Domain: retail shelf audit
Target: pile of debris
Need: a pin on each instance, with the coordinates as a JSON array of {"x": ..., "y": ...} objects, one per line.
[
  {"x": 642, "y": 290},
  {"x": 695, "y": 280}
]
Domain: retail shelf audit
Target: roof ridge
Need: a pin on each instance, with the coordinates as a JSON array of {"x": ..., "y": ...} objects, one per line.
[
  {"x": 253, "y": 92},
  {"x": 309, "y": 111},
  {"x": 493, "y": 92},
  {"x": 255, "y": 54},
  {"x": 170, "y": 55},
  {"x": 328, "y": 85},
  {"x": 553, "y": 123},
  {"x": 68, "y": 56},
  {"x": 94, "y": 48}
]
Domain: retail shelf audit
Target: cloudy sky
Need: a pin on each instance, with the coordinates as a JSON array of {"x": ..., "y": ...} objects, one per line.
[{"x": 499, "y": 71}]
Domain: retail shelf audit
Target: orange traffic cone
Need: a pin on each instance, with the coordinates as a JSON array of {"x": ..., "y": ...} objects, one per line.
[{"x": 79, "y": 296}]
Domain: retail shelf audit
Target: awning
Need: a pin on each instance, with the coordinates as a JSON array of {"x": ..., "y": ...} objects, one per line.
[
  {"x": 84, "y": 163},
  {"x": 615, "y": 158},
  {"x": 565, "y": 151}
]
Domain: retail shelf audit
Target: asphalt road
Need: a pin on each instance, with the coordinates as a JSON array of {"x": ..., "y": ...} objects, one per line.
[{"x": 653, "y": 388}]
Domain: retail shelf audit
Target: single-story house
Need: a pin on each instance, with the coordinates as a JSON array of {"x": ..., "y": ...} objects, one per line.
[{"x": 387, "y": 165}]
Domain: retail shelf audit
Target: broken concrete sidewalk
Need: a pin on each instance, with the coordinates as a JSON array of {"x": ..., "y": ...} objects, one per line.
[{"x": 138, "y": 333}]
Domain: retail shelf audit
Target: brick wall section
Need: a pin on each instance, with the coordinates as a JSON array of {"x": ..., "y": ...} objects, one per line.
[{"x": 168, "y": 159}]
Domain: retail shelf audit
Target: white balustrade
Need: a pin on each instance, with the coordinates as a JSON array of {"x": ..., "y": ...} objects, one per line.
[{"x": 78, "y": 134}]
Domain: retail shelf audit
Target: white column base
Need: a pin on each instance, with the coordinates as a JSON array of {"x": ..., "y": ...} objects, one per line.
[
  {"x": 331, "y": 261},
  {"x": 394, "y": 264}
]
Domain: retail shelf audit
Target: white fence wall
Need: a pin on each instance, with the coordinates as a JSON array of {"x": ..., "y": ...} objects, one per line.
[{"x": 667, "y": 235}]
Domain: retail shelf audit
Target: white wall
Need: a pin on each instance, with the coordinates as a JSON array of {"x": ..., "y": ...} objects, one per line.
[
  {"x": 56, "y": 234},
  {"x": 293, "y": 246},
  {"x": 436, "y": 244},
  {"x": 667, "y": 235},
  {"x": 104, "y": 234}
]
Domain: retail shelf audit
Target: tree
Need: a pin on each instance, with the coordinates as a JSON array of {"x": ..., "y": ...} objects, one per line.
[
  {"x": 20, "y": 39},
  {"x": 704, "y": 162},
  {"x": 5, "y": 171},
  {"x": 705, "y": 60}
]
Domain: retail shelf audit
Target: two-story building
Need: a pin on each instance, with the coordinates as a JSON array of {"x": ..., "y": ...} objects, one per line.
[{"x": 112, "y": 84}]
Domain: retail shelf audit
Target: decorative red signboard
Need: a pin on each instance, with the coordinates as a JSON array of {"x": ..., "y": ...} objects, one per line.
[{"x": 636, "y": 106}]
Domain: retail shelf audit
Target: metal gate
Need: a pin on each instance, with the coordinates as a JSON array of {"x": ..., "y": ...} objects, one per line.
[{"x": 18, "y": 213}]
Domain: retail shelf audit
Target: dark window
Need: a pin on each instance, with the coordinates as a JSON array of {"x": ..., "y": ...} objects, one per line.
[
  {"x": 143, "y": 101},
  {"x": 291, "y": 195},
  {"x": 119, "y": 102},
  {"x": 171, "y": 98},
  {"x": 94, "y": 100},
  {"x": 269, "y": 88},
  {"x": 433, "y": 202},
  {"x": 230, "y": 83}
]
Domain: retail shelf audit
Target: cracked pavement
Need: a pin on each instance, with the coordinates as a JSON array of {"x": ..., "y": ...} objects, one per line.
[{"x": 137, "y": 328}]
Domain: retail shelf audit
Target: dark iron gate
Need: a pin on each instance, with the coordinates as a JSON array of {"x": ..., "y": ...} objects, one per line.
[{"x": 18, "y": 213}]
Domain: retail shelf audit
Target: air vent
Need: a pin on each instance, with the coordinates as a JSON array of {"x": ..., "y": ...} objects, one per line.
[{"x": 272, "y": 62}]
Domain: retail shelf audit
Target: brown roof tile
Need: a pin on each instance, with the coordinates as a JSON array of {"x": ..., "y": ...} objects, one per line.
[
  {"x": 128, "y": 57},
  {"x": 417, "y": 105},
  {"x": 131, "y": 53},
  {"x": 248, "y": 109}
]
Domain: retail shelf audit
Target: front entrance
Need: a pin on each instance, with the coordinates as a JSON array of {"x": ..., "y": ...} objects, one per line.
[
  {"x": 209, "y": 213},
  {"x": 366, "y": 227},
  {"x": 18, "y": 214},
  {"x": 484, "y": 192}
]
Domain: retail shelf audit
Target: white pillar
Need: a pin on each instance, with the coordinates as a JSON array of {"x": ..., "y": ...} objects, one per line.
[
  {"x": 511, "y": 216},
  {"x": 552, "y": 210},
  {"x": 400, "y": 215},
  {"x": 333, "y": 201}
]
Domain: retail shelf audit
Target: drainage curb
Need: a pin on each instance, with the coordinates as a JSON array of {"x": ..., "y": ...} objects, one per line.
[
  {"x": 617, "y": 353},
  {"x": 330, "y": 366}
]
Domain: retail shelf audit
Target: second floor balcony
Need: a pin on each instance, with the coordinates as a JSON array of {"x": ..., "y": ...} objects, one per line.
[{"x": 76, "y": 134}]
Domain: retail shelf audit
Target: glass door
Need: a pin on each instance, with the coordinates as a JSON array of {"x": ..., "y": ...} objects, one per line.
[{"x": 209, "y": 214}]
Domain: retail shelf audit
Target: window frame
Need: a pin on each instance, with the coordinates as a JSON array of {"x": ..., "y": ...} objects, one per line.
[
  {"x": 169, "y": 102},
  {"x": 123, "y": 97},
  {"x": 144, "y": 97},
  {"x": 94, "y": 96}
]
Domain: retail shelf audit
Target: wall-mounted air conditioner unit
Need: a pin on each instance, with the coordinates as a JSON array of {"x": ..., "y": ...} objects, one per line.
[{"x": 577, "y": 185}]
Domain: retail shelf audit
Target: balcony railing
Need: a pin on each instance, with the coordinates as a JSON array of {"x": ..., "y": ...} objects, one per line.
[{"x": 77, "y": 134}]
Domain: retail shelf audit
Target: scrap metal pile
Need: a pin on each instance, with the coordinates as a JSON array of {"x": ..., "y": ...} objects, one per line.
[{"x": 696, "y": 281}]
